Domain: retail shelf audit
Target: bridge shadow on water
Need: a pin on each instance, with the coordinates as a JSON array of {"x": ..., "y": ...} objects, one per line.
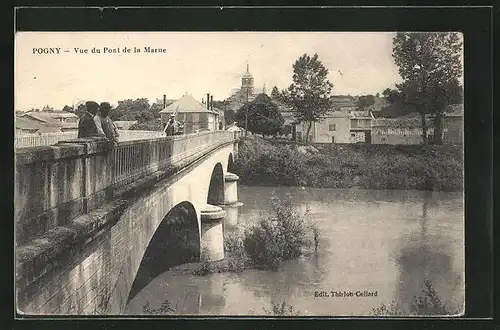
[{"x": 175, "y": 242}]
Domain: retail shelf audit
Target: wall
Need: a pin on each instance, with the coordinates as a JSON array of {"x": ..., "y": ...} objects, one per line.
[
  {"x": 97, "y": 274},
  {"x": 322, "y": 134},
  {"x": 395, "y": 135},
  {"x": 453, "y": 130}
]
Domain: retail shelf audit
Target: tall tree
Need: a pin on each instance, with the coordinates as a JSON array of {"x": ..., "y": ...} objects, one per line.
[
  {"x": 263, "y": 116},
  {"x": 430, "y": 66},
  {"x": 308, "y": 95},
  {"x": 275, "y": 93}
]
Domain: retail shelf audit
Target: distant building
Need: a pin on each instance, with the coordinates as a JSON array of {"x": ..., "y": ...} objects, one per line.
[
  {"x": 453, "y": 125},
  {"x": 52, "y": 121},
  {"x": 244, "y": 94},
  {"x": 334, "y": 128},
  {"x": 360, "y": 126},
  {"x": 234, "y": 128},
  {"x": 194, "y": 115},
  {"x": 30, "y": 126},
  {"x": 401, "y": 130}
]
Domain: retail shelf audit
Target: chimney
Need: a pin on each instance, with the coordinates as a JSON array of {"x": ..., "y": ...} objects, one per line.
[
  {"x": 211, "y": 102},
  {"x": 164, "y": 101},
  {"x": 208, "y": 101}
]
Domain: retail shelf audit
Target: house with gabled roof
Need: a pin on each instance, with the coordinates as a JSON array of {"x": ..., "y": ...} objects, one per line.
[{"x": 192, "y": 114}]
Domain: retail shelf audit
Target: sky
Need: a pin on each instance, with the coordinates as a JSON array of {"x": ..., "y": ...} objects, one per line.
[{"x": 193, "y": 63}]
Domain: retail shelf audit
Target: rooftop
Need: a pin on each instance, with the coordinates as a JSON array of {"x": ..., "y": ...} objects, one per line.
[{"x": 187, "y": 103}]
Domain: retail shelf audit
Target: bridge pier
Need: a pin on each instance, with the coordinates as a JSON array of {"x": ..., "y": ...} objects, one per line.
[
  {"x": 231, "y": 198},
  {"x": 212, "y": 234}
]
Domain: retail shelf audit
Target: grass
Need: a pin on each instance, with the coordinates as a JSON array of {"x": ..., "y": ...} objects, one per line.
[
  {"x": 264, "y": 162},
  {"x": 428, "y": 304}
]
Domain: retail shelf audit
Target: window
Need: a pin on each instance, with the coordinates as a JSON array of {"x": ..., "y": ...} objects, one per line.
[
  {"x": 333, "y": 139},
  {"x": 332, "y": 127}
]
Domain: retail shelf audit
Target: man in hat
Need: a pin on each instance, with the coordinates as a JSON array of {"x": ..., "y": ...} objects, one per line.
[
  {"x": 108, "y": 127},
  {"x": 86, "y": 125},
  {"x": 170, "y": 127}
]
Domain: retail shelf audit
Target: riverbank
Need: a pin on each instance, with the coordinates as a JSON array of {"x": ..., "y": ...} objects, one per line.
[{"x": 366, "y": 166}]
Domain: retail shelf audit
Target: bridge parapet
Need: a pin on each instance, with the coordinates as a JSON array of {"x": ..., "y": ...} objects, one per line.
[{"x": 55, "y": 184}]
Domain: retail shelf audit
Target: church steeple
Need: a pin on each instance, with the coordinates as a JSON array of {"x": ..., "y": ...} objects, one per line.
[{"x": 247, "y": 81}]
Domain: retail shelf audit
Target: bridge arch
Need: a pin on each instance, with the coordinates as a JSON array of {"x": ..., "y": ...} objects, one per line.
[
  {"x": 216, "y": 186},
  {"x": 176, "y": 241}
]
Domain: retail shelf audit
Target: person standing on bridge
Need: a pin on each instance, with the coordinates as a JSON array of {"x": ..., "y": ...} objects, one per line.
[
  {"x": 170, "y": 127},
  {"x": 86, "y": 125},
  {"x": 104, "y": 121}
]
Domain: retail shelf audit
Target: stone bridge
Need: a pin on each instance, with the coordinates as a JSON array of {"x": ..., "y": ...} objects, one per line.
[{"x": 93, "y": 222}]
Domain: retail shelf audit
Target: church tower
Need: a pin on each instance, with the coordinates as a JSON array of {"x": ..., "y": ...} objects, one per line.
[{"x": 247, "y": 82}]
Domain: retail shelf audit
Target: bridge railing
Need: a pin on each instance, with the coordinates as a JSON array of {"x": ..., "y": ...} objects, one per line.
[
  {"x": 47, "y": 139},
  {"x": 54, "y": 184}
]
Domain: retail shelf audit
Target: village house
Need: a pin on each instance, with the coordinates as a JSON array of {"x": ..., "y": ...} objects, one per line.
[
  {"x": 195, "y": 116},
  {"x": 46, "y": 122},
  {"x": 27, "y": 126},
  {"x": 360, "y": 126},
  {"x": 453, "y": 125},
  {"x": 333, "y": 128}
]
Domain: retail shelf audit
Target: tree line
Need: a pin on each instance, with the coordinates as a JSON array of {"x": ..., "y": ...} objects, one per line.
[{"x": 429, "y": 65}]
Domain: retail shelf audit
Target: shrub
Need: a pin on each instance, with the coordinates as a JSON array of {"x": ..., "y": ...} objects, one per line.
[
  {"x": 282, "y": 236},
  {"x": 428, "y": 304},
  {"x": 281, "y": 309},
  {"x": 264, "y": 162}
]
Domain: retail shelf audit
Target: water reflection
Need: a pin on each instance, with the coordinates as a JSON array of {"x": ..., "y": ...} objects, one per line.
[
  {"x": 391, "y": 242},
  {"x": 425, "y": 260}
]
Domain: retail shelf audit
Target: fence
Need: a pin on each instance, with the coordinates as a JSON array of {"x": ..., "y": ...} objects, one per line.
[
  {"x": 134, "y": 159},
  {"x": 47, "y": 139}
]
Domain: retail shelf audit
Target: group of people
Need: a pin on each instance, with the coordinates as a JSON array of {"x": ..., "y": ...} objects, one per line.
[{"x": 95, "y": 122}]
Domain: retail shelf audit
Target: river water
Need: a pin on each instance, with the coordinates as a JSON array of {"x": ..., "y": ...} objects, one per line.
[{"x": 384, "y": 245}]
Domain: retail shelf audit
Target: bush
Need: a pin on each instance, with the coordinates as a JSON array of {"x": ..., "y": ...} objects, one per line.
[{"x": 282, "y": 236}]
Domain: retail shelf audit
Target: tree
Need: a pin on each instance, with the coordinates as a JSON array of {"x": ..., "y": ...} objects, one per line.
[
  {"x": 138, "y": 109},
  {"x": 263, "y": 116},
  {"x": 365, "y": 101},
  {"x": 308, "y": 95},
  {"x": 48, "y": 108},
  {"x": 430, "y": 66},
  {"x": 67, "y": 108},
  {"x": 275, "y": 94}
]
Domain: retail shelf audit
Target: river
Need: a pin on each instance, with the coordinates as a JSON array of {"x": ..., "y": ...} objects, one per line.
[{"x": 381, "y": 244}]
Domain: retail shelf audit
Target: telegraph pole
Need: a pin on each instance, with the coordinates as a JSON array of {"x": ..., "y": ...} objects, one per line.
[{"x": 246, "y": 116}]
